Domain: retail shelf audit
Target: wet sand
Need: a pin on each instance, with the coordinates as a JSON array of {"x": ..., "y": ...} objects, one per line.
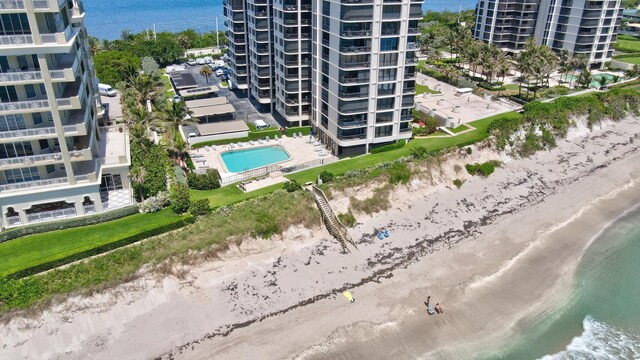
[{"x": 485, "y": 251}]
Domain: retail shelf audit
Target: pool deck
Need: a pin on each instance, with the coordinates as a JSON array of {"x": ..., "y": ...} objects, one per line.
[{"x": 300, "y": 150}]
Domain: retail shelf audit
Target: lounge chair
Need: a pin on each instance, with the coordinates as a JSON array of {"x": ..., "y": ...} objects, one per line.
[
  {"x": 251, "y": 142},
  {"x": 294, "y": 135},
  {"x": 260, "y": 141},
  {"x": 300, "y": 135},
  {"x": 207, "y": 148},
  {"x": 276, "y": 137},
  {"x": 267, "y": 139},
  {"x": 240, "y": 144},
  {"x": 232, "y": 145},
  {"x": 323, "y": 152},
  {"x": 213, "y": 147}
]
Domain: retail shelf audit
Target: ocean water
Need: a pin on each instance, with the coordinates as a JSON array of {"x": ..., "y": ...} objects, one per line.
[
  {"x": 601, "y": 319},
  {"x": 106, "y": 19}
]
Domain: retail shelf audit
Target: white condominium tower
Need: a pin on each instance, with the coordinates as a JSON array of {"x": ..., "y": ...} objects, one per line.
[
  {"x": 55, "y": 160},
  {"x": 579, "y": 26},
  {"x": 345, "y": 67}
]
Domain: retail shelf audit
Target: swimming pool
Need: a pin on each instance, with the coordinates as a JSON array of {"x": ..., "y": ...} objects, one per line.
[
  {"x": 243, "y": 160},
  {"x": 595, "y": 83}
]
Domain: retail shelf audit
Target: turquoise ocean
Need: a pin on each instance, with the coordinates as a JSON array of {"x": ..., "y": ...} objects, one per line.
[
  {"x": 106, "y": 19},
  {"x": 601, "y": 318}
]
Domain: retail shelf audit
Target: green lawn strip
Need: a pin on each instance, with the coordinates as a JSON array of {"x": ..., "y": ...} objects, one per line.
[
  {"x": 459, "y": 128},
  {"x": 421, "y": 64},
  {"x": 34, "y": 250},
  {"x": 633, "y": 45},
  {"x": 630, "y": 60},
  {"x": 628, "y": 37},
  {"x": 224, "y": 83},
  {"x": 432, "y": 144},
  {"x": 167, "y": 84},
  {"x": 231, "y": 194},
  {"x": 511, "y": 86},
  {"x": 421, "y": 89},
  {"x": 256, "y": 135}
]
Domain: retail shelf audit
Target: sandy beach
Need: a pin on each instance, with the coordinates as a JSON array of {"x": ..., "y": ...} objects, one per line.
[{"x": 497, "y": 253}]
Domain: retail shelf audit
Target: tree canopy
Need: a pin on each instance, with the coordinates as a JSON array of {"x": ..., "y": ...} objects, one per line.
[{"x": 115, "y": 66}]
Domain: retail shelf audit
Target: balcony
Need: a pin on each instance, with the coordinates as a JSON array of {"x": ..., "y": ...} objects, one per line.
[
  {"x": 355, "y": 49},
  {"x": 411, "y": 46},
  {"x": 47, "y": 5},
  {"x": 73, "y": 95},
  {"x": 352, "y": 124},
  {"x": 51, "y": 157},
  {"x": 58, "y": 38},
  {"x": 353, "y": 95},
  {"x": 408, "y": 89},
  {"x": 37, "y": 184},
  {"x": 411, "y": 61},
  {"x": 28, "y": 76},
  {"x": 356, "y": 2},
  {"x": 352, "y": 137},
  {"x": 11, "y": 6},
  {"x": 355, "y": 33},
  {"x": 406, "y": 118},
  {"x": 66, "y": 68},
  {"x": 354, "y": 80},
  {"x": 354, "y": 64},
  {"x": 35, "y": 105},
  {"x": 77, "y": 12}
]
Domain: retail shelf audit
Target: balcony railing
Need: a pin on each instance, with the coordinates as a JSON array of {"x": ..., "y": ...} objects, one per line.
[
  {"x": 16, "y": 40},
  {"x": 350, "y": 124},
  {"x": 354, "y": 64},
  {"x": 411, "y": 45},
  {"x": 352, "y": 137},
  {"x": 12, "y": 5},
  {"x": 28, "y": 105},
  {"x": 59, "y": 37},
  {"x": 13, "y": 76},
  {"x": 14, "y": 220},
  {"x": 356, "y": 33},
  {"x": 364, "y": 94},
  {"x": 355, "y": 49},
  {"x": 28, "y": 133},
  {"x": 33, "y": 184},
  {"x": 406, "y": 118},
  {"x": 51, "y": 215},
  {"x": 31, "y": 160},
  {"x": 351, "y": 80}
]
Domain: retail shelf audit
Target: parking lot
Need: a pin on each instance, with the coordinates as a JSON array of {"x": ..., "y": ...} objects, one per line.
[{"x": 244, "y": 109}]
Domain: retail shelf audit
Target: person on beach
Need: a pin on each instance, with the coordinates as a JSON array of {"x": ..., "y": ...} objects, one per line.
[
  {"x": 430, "y": 310},
  {"x": 439, "y": 309}
]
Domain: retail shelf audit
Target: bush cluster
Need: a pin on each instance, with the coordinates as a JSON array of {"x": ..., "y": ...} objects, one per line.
[
  {"x": 419, "y": 152},
  {"x": 208, "y": 181},
  {"x": 399, "y": 173},
  {"x": 200, "y": 207},
  {"x": 397, "y": 145},
  {"x": 180, "y": 198},
  {"x": 484, "y": 169},
  {"x": 491, "y": 87},
  {"x": 67, "y": 224},
  {"x": 326, "y": 177},
  {"x": 291, "y": 186},
  {"x": 155, "y": 203},
  {"x": 457, "y": 183},
  {"x": 153, "y": 158}
]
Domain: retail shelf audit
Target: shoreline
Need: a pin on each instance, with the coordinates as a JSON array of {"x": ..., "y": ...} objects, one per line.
[{"x": 442, "y": 239}]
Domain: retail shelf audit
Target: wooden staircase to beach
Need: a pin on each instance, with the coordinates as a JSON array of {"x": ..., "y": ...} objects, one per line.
[{"x": 334, "y": 225}]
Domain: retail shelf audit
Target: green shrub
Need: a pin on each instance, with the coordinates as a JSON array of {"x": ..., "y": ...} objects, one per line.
[
  {"x": 200, "y": 207},
  {"x": 491, "y": 87},
  {"x": 189, "y": 162},
  {"x": 399, "y": 173},
  {"x": 153, "y": 158},
  {"x": 208, "y": 181},
  {"x": 180, "y": 198},
  {"x": 457, "y": 183},
  {"x": 326, "y": 177},
  {"x": 419, "y": 152},
  {"x": 397, "y": 145},
  {"x": 347, "y": 219},
  {"x": 469, "y": 150},
  {"x": 67, "y": 224},
  {"x": 291, "y": 186},
  {"x": 484, "y": 169}
]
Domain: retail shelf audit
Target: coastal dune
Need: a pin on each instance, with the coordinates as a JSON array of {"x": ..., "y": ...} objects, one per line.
[{"x": 497, "y": 253}]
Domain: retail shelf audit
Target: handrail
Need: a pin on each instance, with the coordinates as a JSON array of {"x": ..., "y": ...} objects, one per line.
[{"x": 333, "y": 223}]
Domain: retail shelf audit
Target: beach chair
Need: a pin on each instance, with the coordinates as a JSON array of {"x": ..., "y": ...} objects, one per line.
[
  {"x": 251, "y": 142},
  {"x": 260, "y": 141},
  {"x": 240, "y": 144},
  {"x": 213, "y": 147}
]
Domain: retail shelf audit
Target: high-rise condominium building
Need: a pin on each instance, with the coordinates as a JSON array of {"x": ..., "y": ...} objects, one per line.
[
  {"x": 55, "y": 159},
  {"x": 346, "y": 67},
  {"x": 579, "y": 26}
]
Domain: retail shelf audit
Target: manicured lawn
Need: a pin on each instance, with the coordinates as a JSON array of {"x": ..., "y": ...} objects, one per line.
[
  {"x": 421, "y": 89},
  {"x": 630, "y": 60},
  {"x": 230, "y": 194},
  {"x": 225, "y": 84},
  {"x": 421, "y": 64},
  {"x": 511, "y": 87},
  {"x": 33, "y": 250},
  {"x": 433, "y": 144},
  {"x": 167, "y": 85},
  {"x": 629, "y": 44},
  {"x": 628, "y": 37}
]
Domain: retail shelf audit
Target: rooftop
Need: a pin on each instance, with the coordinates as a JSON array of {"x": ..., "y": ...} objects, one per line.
[{"x": 222, "y": 127}]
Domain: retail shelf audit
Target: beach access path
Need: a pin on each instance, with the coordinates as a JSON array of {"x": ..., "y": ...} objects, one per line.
[{"x": 283, "y": 298}]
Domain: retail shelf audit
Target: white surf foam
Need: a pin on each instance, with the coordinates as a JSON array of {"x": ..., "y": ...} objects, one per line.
[{"x": 600, "y": 341}]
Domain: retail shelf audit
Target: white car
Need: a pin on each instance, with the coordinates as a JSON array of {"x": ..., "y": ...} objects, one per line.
[
  {"x": 200, "y": 61},
  {"x": 219, "y": 72},
  {"x": 191, "y": 62}
]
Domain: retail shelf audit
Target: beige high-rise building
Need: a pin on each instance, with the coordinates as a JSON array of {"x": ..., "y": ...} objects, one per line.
[{"x": 57, "y": 160}]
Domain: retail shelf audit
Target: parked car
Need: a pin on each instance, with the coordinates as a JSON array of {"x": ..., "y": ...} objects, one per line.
[
  {"x": 200, "y": 61},
  {"x": 191, "y": 62},
  {"x": 219, "y": 72},
  {"x": 106, "y": 90},
  {"x": 176, "y": 98}
]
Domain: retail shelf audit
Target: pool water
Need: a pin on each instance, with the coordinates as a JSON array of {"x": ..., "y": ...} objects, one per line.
[
  {"x": 595, "y": 83},
  {"x": 243, "y": 160}
]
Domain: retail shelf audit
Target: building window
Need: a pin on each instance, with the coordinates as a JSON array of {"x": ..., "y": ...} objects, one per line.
[
  {"x": 111, "y": 182},
  {"x": 386, "y": 104},
  {"x": 14, "y": 24},
  {"x": 22, "y": 175},
  {"x": 50, "y": 169},
  {"x": 15, "y": 150},
  {"x": 389, "y": 44},
  {"x": 383, "y": 131},
  {"x": 12, "y": 122},
  {"x": 387, "y": 75}
]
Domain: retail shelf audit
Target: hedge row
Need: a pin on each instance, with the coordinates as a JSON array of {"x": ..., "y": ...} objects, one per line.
[
  {"x": 102, "y": 249},
  {"x": 67, "y": 224},
  {"x": 255, "y": 135},
  {"x": 491, "y": 87},
  {"x": 397, "y": 145}
]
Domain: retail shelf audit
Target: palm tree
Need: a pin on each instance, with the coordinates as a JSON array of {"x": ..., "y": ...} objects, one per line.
[
  {"x": 585, "y": 78},
  {"x": 206, "y": 72},
  {"x": 144, "y": 86},
  {"x": 176, "y": 114},
  {"x": 137, "y": 175},
  {"x": 522, "y": 66}
]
